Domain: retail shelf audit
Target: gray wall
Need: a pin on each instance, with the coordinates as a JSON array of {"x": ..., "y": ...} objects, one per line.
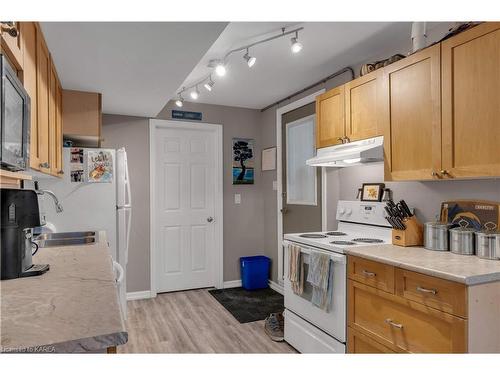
[
  {"x": 426, "y": 197},
  {"x": 133, "y": 134},
  {"x": 243, "y": 224}
]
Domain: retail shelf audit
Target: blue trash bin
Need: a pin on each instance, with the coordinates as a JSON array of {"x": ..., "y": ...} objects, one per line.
[{"x": 254, "y": 272}]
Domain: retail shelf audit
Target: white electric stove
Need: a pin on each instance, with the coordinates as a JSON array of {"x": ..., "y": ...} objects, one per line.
[{"x": 308, "y": 328}]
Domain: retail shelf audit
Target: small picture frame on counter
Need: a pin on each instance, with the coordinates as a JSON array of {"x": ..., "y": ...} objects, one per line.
[{"x": 372, "y": 192}]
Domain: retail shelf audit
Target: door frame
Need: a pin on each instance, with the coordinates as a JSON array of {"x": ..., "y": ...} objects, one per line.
[
  {"x": 218, "y": 276},
  {"x": 279, "y": 112}
]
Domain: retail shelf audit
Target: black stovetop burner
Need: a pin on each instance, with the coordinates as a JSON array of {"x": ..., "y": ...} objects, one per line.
[
  {"x": 312, "y": 235},
  {"x": 336, "y": 233},
  {"x": 368, "y": 240}
]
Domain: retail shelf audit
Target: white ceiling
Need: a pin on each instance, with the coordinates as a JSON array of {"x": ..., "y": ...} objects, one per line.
[
  {"x": 136, "y": 66},
  {"x": 328, "y": 47}
]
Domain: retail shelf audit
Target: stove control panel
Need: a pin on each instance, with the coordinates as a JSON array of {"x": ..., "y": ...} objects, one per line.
[{"x": 362, "y": 212}]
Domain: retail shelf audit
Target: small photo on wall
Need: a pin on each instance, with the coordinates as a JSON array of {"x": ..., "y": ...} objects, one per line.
[
  {"x": 243, "y": 161},
  {"x": 77, "y": 172},
  {"x": 76, "y": 155}
]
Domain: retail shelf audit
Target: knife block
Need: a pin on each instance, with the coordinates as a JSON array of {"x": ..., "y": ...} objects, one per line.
[{"x": 413, "y": 235}]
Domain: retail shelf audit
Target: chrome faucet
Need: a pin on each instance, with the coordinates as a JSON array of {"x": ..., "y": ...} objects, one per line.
[{"x": 59, "y": 207}]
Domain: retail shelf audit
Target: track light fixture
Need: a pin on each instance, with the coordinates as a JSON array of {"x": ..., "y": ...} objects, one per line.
[
  {"x": 249, "y": 59},
  {"x": 195, "y": 93},
  {"x": 210, "y": 84},
  {"x": 219, "y": 65},
  {"x": 180, "y": 101},
  {"x": 296, "y": 45}
]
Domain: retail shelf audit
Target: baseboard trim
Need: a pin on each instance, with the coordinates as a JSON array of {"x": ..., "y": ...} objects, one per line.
[
  {"x": 144, "y": 294},
  {"x": 275, "y": 286},
  {"x": 232, "y": 284},
  {"x": 237, "y": 283}
]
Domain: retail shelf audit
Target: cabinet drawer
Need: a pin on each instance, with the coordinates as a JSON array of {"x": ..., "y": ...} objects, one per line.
[
  {"x": 404, "y": 325},
  {"x": 360, "y": 343},
  {"x": 444, "y": 295},
  {"x": 378, "y": 275}
]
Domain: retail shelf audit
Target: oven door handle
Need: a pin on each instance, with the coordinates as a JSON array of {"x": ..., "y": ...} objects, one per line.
[{"x": 307, "y": 250}]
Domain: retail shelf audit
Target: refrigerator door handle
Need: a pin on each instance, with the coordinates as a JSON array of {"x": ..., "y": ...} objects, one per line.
[
  {"x": 127, "y": 185},
  {"x": 121, "y": 273},
  {"x": 128, "y": 211}
]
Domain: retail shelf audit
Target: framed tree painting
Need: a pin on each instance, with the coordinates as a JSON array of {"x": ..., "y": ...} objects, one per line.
[{"x": 243, "y": 161}]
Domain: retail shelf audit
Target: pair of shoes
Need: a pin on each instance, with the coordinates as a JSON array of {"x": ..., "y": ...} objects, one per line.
[{"x": 274, "y": 326}]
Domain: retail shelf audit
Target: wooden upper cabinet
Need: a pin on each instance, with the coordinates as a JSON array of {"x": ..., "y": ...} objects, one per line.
[
  {"x": 471, "y": 102},
  {"x": 53, "y": 113},
  {"x": 361, "y": 107},
  {"x": 411, "y": 118},
  {"x": 12, "y": 46},
  {"x": 330, "y": 127},
  {"x": 43, "y": 102},
  {"x": 29, "y": 78},
  {"x": 82, "y": 116}
]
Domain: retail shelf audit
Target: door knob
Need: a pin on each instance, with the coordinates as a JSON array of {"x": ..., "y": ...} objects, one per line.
[{"x": 210, "y": 219}]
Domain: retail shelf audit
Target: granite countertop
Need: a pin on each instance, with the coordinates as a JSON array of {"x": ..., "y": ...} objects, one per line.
[
  {"x": 71, "y": 308},
  {"x": 465, "y": 269}
]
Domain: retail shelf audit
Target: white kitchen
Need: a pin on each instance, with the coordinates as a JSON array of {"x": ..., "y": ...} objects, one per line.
[{"x": 247, "y": 186}]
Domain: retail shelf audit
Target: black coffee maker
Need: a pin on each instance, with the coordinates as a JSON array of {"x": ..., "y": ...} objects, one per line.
[{"x": 19, "y": 215}]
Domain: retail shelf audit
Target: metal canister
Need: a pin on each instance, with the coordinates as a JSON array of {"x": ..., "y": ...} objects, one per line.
[
  {"x": 462, "y": 241},
  {"x": 488, "y": 244},
  {"x": 436, "y": 236}
]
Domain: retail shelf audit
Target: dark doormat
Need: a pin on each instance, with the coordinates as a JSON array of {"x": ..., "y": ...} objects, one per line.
[{"x": 249, "y": 305}]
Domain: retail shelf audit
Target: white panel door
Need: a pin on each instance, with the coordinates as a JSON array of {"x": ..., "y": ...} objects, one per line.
[{"x": 185, "y": 197}]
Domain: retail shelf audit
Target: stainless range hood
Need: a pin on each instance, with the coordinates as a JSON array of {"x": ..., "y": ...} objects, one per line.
[{"x": 349, "y": 154}]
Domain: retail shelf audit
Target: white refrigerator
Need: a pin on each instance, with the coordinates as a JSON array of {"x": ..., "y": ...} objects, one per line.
[{"x": 91, "y": 205}]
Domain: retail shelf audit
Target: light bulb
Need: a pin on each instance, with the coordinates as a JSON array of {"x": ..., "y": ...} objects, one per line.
[
  {"x": 249, "y": 59},
  {"x": 209, "y": 85},
  {"x": 296, "y": 45},
  {"x": 195, "y": 94},
  {"x": 178, "y": 103},
  {"x": 220, "y": 69}
]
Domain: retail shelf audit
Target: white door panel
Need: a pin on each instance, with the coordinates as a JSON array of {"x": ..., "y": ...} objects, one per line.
[{"x": 185, "y": 196}]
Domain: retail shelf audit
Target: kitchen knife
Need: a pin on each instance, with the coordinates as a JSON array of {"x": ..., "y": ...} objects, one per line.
[
  {"x": 390, "y": 219},
  {"x": 402, "y": 226},
  {"x": 406, "y": 208}
]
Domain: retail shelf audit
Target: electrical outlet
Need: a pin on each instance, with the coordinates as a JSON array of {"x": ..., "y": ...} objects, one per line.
[{"x": 237, "y": 198}]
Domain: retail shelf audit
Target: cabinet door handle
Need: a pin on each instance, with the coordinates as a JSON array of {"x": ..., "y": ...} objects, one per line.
[
  {"x": 434, "y": 174},
  {"x": 44, "y": 165},
  {"x": 444, "y": 172},
  {"x": 395, "y": 325},
  {"x": 60, "y": 171},
  {"x": 369, "y": 274},
  {"x": 424, "y": 290}
]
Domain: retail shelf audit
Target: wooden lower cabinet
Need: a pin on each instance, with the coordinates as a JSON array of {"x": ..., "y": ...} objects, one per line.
[
  {"x": 402, "y": 325},
  {"x": 391, "y": 309},
  {"x": 360, "y": 343}
]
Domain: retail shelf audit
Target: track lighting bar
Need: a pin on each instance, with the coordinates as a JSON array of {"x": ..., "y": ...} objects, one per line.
[
  {"x": 220, "y": 65},
  {"x": 283, "y": 34}
]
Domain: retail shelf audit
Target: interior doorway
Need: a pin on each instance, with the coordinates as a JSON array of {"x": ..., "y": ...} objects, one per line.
[
  {"x": 300, "y": 118},
  {"x": 186, "y": 205}
]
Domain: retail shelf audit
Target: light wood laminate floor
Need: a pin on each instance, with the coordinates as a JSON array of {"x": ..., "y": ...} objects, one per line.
[{"x": 192, "y": 322}]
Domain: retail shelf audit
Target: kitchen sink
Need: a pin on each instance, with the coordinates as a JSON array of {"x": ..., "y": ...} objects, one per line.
[
  {"x": 66, "y": 239},
  {"x": 66, "y": 242},
  {"x": 64, "y": 235}
]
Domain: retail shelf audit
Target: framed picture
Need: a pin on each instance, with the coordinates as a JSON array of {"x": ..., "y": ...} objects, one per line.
[
  {"x": 372, "y": 192},
  {"x": 269, "y": 159},
  {"x": 243, "y": 161}
]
